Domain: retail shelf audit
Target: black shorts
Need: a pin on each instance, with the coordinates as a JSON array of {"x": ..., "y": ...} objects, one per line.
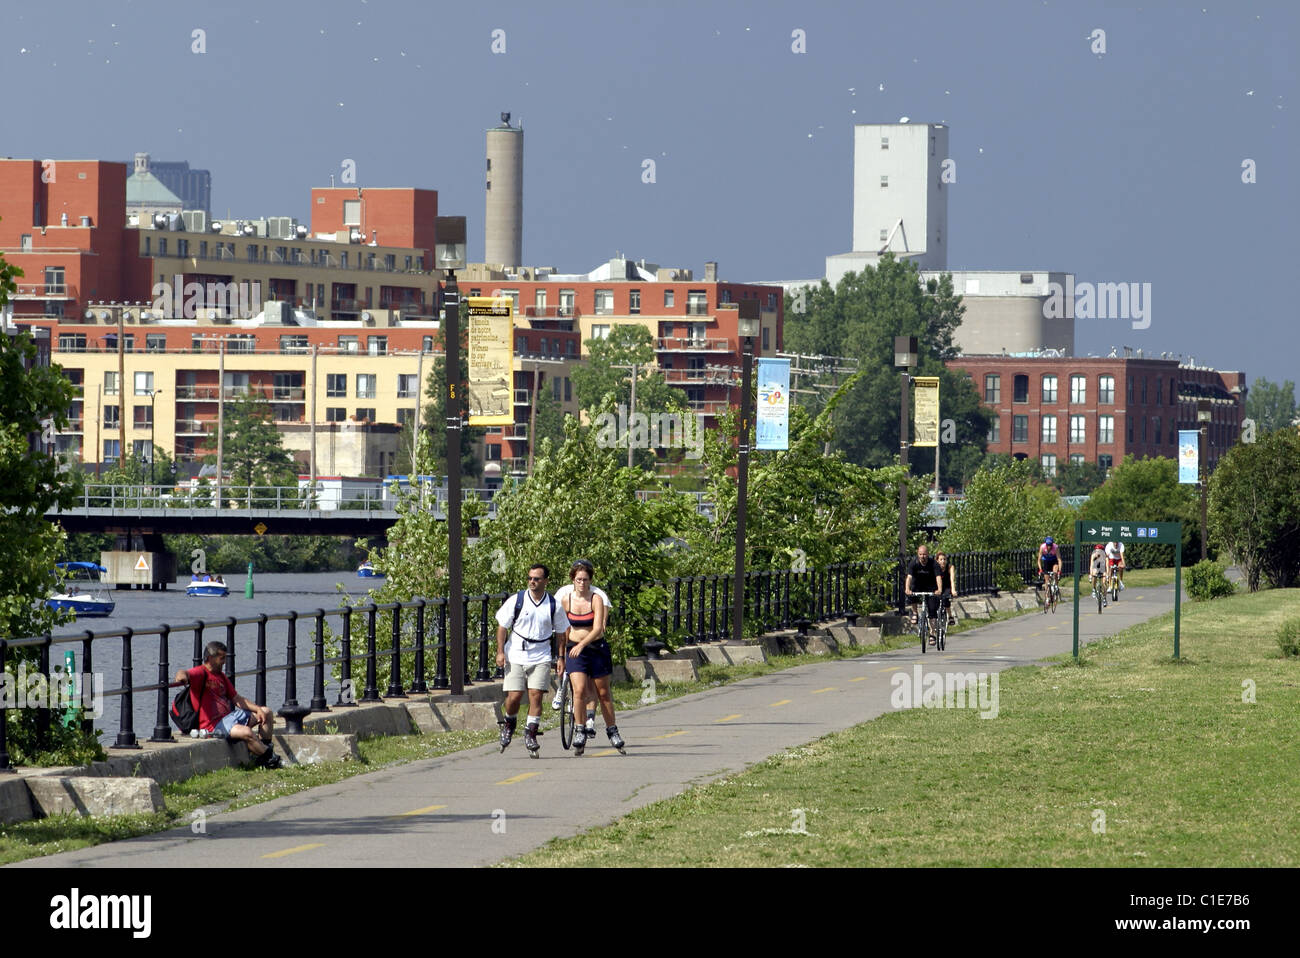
[
  {"x": 1049, "y": 563},
  {"x": 595, "y": 661}
]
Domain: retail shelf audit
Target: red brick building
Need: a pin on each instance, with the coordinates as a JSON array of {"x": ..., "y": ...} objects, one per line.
[{"x": 1058, "y": 410}]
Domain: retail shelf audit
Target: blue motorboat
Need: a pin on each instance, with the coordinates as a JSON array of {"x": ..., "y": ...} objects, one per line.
[
  {"x": 206, "y": 585},
  {"x": 82, "y": 590},
  {"x": 367, "y": 571}
]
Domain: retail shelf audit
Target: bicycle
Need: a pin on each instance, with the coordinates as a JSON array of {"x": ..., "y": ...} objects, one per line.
[
  {"x": 566, "y": 711},
  {"x": 1099, "y": 590},
  {"x": 923, "y": 618},
  {"x": 1114, "y": 584},
  {"x": 1053, "y": 594},
  {"x": 941, "y": 626}
]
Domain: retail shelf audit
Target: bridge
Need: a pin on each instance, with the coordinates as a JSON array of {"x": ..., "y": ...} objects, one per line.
[{"x": 260, "y": 510}]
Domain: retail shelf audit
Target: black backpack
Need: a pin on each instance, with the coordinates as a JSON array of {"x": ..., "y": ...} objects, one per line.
[
  {"x": 184, "y": 714},
  {"x": 519, "y": 606}
]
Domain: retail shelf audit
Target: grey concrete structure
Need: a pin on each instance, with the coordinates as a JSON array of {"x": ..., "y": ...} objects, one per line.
[
  {"x": 1006, "y": 311},
  {"x": 503, "y": 223}
]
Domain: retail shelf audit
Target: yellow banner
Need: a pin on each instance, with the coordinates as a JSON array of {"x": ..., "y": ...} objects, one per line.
[
  {"x": 491, "y": 360},
  {"x": 925, "y": 421}
]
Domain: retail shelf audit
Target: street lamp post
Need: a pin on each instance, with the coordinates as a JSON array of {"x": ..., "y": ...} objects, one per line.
[
  {"x": 449, "y": 254},
  {"x": 1204, "y": 413},
  {"x": 153, "y": 449},
  {"x": 747, "y": 328},
  {"x": 904, "y": 360}
]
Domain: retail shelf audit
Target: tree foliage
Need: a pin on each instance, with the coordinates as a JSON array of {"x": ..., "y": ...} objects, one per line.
[
  {"x": 1254, "y": 508},
  {"x": 1007, "y": 507},
  {"x": 1147, "y": 490},
  {"x": 253, "y": 451},
  {"x": 1272, "y": 406}
]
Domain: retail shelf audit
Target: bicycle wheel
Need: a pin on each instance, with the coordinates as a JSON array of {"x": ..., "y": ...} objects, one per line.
[
  {"x": 566, "y": 712},
  {"x": 941, "y": 629},
  {"x": 923, "y": 627},
  {"x": 1056, "y": 597},
  {"x": 1114, "y": 588},
  {"x": 1100, "y": 592}
]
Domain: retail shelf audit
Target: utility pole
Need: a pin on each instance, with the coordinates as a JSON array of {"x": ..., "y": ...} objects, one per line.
[
  {"x": 312, "y": 486},
  {"x": 632, "y": 408},
  {"x": 415, "y": 427},
  {"x": 121, "y": 392},
  {"x": 221, "y": 414}
]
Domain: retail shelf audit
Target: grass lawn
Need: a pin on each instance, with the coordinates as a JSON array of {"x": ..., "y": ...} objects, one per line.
[{"x": 1128, "y": 758}]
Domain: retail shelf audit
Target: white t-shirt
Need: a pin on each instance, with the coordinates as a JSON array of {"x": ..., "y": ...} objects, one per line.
[
  {"x": 567, "y": 590},
  {"x": 532, "y": 624},
  {"x": 1114, "y": 550}
]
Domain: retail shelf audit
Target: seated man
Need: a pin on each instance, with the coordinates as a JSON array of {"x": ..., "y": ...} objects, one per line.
[{"x": 223, "y": 712}]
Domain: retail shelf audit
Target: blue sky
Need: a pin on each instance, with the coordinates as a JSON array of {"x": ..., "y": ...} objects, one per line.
[{"x": 1120, "y": 167}]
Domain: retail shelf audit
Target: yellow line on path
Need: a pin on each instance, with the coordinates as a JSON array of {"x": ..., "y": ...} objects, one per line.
[
  {"x": 860, "y": 678},
  {"x": 1050, "y": 627},
  {"x": 1034, "y": 635},
  {"x": 604, "y": 752},
  {"x": 1018, "y": 638},
  {"x": 892, "y": 668},
  {"x": 829, "y": 688},
  {"x": 782, "y": 702},
  {"x": 996, "y": 645},
  {"x": 518, "y": 778},
  {"x": 419, "y": 811},
  {"x": 728, "y": 718},
  {"x": 295, "y": 849},
  {"x": 672, "y": 734}
]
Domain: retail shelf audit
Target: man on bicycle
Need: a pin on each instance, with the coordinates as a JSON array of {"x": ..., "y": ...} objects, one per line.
[
  {"x": 1049, "y": 557},
  {"x": 1115, "y": 561},
  {"x": 922, "y": 576},
  {"x": 1097, "y": 567}
]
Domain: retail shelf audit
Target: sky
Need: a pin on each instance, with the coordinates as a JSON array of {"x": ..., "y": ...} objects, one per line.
[{"x": 1119, "y": 166}]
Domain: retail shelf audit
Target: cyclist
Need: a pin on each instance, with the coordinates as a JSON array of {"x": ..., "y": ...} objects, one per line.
[
  {"x": 1049, "y": 556},
  {"x": 946, "y": 577},
  {"x": 922, "y": 575},
  {"x": 1115, "y": 561},
  {"x": 1097, "y": 568}
]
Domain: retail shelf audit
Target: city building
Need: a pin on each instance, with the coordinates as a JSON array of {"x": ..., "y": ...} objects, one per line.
[
  {"x": 1061, "y": 409},
  {"x": 147, "y": 196},
  {"x": 192, "y": 187}
]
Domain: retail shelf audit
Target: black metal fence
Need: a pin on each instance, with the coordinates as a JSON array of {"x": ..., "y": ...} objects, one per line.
[{"x": 403, "y": 645}]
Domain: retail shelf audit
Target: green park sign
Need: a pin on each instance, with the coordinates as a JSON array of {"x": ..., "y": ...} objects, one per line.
[{"x": 1151, "y": 533}]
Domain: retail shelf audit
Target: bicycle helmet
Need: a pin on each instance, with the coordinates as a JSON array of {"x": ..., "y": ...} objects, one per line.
[{"x": 1048, "y": 541}]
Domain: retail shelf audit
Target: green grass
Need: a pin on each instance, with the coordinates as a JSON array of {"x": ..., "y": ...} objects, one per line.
[{"x": 1184, "y": 771}]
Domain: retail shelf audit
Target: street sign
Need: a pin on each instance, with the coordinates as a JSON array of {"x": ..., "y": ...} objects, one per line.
[
  {"x": 260, "y": 528},
  {"x": 141, "y": 565},
  {"x": 1155, "y": 533}
]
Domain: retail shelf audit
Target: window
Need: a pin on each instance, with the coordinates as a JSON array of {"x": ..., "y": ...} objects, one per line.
[
  {"x": 349, "y": 344},
  {"x": 390, "y": 261},
  {"x": 162, "y": 246},
  {"x": 1106, "y": 429},
  {"x": 351, "y": 212},
  {"x": 1144, "y": 428},
  {"x": 1049, "y": 389},
  {"x": 365, "y": 414},
  {"x": 884, "y": 142},
  {"x": 72, "y": 342},
  {"x": 539, "y": 300},
  {"x": 377, "y": 345},
  {"x": 251, "y": 252},
  {"x": 407, "y": 386},
  {"x": 1049, "y": 429},
  {"x": 1105, "y": 463},
  {"x": 599, "y": 331},
  {"x": 336, "y": 385},
  {"x": 293, "y": 345},
  {"x": 336, "y": 414},
  {"x": 570, "y": 348},
  {"x": 54, "y": 280},
  {"x": 404, "y": 416},
  {"x": 143, "y": 384},
  {"x": 995, "y": 430},
  {"x": 566, "y": 302},
  {"x": 555, "y": 388},
  {"x": 1076, "y": 459},
  {"x": 1021, "y": 387},
  {"x": 155, "y": 342},
  {"x": 1172, "y": 400},
  {"x": 110, "y": 418},
  {"x": 493, "y": 452},
  {"x": 697, "y": 302},
  {"x": 992, "y": 388},
  {"x": 1020, "y": 429},
  {"x": 1048, "y": 461},
  {"x": 668, "y": 298},
  {"x": 110, "y": 383},
  {"x": 512, "y": 295},
  {"x": 884, "y": 182},
  {"x": 1130, "y": 428},
  {"x": 1078, "y": 389},
  {"x": 112, "y": 450},
  {"x": 724, "y": 296},
  {"x": 365, "y": 385},
  {"x": 1130, "y": 390},
  {"x": 1106, "y": 389},
  {"x": 1157, "y": 429},
  {"x": 1160, "y": 392},
  {"x": 521, "y": 345},
  {"x": 765, "y": 339},
  {"x": 604, "y": 302},
  {"x": 634, "y": 301},
  {"x": 1078, "y": 433},
  {"x": 242, "y": 343},
  {"x": 143, "y": 416},
  {"x": 884, "y": 235},
  {"x": 568, "y": 390},
  {"x": 1144, "y": 390}
]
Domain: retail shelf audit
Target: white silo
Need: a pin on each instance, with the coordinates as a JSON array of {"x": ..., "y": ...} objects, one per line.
[{"x": 503, "y": 226}]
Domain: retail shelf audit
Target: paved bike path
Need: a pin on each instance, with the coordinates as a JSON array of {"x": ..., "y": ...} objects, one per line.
[{"x": 479, "y": 807}]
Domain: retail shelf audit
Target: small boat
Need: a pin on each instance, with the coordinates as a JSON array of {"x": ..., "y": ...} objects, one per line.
[
  {"x": 367, "y": 571},
  {"x": 205, "y": 585},
  {"x": 82, "y": 591}
]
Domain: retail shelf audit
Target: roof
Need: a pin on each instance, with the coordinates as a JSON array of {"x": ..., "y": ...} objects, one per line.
[{"x": 148, "y": 189}]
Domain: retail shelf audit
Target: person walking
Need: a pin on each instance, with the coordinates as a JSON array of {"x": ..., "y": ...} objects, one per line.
[{"x": 527, "y": 625}]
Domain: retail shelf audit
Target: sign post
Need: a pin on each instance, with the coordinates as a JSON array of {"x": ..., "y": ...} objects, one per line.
[{"x": 1152, "y": 533}]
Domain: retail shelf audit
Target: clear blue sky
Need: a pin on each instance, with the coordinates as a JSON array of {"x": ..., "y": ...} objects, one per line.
[{"x": 1123, "y": 167}]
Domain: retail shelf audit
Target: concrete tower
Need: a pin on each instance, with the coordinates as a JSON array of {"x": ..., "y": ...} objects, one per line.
[{"x": 503, "y": 226}]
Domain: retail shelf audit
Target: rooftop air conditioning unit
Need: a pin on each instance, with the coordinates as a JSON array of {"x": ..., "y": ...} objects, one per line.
[{"x": 196, "y": 221}]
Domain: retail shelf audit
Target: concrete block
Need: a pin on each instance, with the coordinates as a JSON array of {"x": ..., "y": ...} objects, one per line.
[
  {"x": 734, "y": 654},
  {"x": 1003, "y": 603},
  {"x": 889, "y": 623},
  {"x": 1028, "y": 600},
  {"x": 15, "y": 799},
  {"x": 865, "y": 636},
  {"x": 973, "y": 608},
  {"x": 93, "y": 795},
  {"x": 314, "y": 749},
  {"x": 662, "y": 670},
  {"x": 619, "y": 675},
  {"x": 692, "y": 652},
  {"x": 421, "y": 713},
  {"x": 364, "y": 721},
  {"x": 842, "y": 635},
  {"x": 463, "y": 716}
]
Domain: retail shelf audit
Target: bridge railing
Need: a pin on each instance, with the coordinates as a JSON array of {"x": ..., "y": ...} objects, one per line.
[{"x": 404, "y": 645}]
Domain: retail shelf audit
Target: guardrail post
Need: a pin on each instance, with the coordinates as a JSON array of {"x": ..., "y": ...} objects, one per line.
[
  {"x": 162, "y": 731},
  {"x": 126, "y": 717},
  {"x": 418, "y": 686},
  {"x": 713, "y": 608},
  {"x": 440, "y": 678},
  {"x": 230, "y": 646},
  {"x": 88, "y": 670},
  {"x": 677, "y": 603},
  {"x": 259, "y": 696},
  {"x": 395, "y": 663},
  {"x": 318, "y": 703},
  {"x": 690, "y": 611},
  {"x": 291, "y": 711},
  {"x": 483, "y": 674},
  {"x": 347, "y": 693},
  {"x": 371, "y": 693},
  {"x": 464, "y": 636}
]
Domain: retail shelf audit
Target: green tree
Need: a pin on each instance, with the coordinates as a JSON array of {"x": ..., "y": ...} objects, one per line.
[
  {"x": 1254, "y": 508},
  {"x": 601, "y": 376},
  {"x": 1007, "y": 507},
  {"x": 1079, "y": 478},
  {"x": 548, "y": 419},
  {"x": 1148, "y": 490},
  {"x": 1270, "y": 405},
  {"x": 253, "y": 450}
]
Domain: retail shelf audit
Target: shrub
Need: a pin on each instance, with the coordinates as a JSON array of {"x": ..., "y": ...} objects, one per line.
[
  {"x": 1288, "y": 637},
  {"x": 1206, "y": 580}
]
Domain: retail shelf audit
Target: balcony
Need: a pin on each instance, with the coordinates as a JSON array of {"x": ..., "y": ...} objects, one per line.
[
  {"x": 523, "y": 397},
  {"x": 515, "y": 467},
  {"x": 46, "y": 291},
  {"x": 697, "y": 309},
  {"x": 709, "y": 407},
  {"x": 708, "y": 376},
  {"x": 692, "y": 344},
  {"x": 196, "y": 427},
  {"x": 188, "y": 391}
]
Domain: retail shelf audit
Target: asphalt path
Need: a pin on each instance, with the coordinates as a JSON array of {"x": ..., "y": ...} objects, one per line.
[{"x": 480, "y": 807}]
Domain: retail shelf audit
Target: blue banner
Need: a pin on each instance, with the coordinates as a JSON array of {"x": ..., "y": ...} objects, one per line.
[
  {"x": 1189, "y": 456},
  {"x": 773, "y": 419}
]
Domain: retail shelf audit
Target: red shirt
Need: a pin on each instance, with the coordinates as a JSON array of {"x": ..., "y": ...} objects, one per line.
[{"x": 212, "y": 693}]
